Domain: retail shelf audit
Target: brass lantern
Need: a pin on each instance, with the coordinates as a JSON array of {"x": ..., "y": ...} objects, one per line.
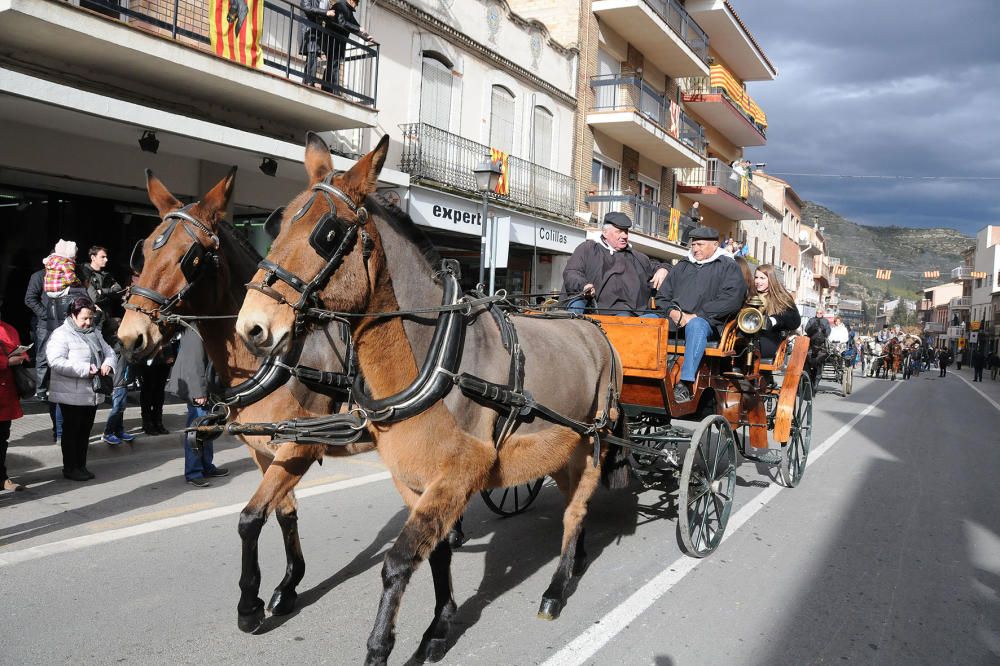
[{"x": 751, "y": 318}]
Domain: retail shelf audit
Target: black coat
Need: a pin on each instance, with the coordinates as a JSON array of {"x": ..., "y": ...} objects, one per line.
[
  {"x": 589, "y": 265},
  {"x": 787, "y": 321},
  {"x": 34, "y": 297},
  {"x": 714, "y": 291},
  {"x": 309, "y": 29}
]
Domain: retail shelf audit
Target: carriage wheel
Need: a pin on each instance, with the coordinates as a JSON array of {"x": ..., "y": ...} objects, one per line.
[
  {"x": 512, "y": 500},
  {"x": 796, "y": 453},
  {"x": 707, "y": 482},
  {"x": 848, "y": 379}
]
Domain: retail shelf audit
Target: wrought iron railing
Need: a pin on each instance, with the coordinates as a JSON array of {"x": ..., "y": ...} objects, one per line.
[
  {"x": 648, "y": 217},
  {"x": 283, "y": 30},
  {"x": 718, "y": 174},
  {"x": 674, "y": 15},
  {"x": 432, "y": 154},
  {"x": 617, "y": 92}
]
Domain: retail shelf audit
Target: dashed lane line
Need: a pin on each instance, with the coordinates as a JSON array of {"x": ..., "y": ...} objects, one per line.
[
  {"x": 582, "y": 648},
  {"x": 8, "y": 558}
]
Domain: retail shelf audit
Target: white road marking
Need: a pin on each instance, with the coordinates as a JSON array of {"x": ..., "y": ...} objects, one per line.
[
  {"x": 585, "y": 646},
  {"x": 979, "y": 391},
  {"x": 78, "y": 543}
]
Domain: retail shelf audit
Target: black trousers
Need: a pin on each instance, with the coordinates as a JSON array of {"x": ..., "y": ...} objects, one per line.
[
  {"x": 4, "y": 437},
  {"x": 77, "y": 422},
  {"x": 152, "y": 382},
  {"x": 977, "y": 373}
]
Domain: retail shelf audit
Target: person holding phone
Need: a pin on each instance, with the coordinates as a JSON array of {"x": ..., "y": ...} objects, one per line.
[
  {"x": 78, "y": 356},
  {"x": 12, "y": 356}
]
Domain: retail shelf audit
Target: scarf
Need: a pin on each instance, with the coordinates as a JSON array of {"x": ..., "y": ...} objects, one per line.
[
  {"x": 93, "y": 340},
  {"x": 719, "y": 252}
]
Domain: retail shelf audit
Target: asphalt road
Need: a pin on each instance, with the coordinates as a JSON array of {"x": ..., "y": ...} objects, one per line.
[{"x": 888, "y": 553}]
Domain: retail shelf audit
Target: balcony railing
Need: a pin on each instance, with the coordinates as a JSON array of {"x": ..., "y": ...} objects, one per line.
[
  {"x": 924, "y": 305},
  {"x": 681, "y": 22},
  {"x": 616, "y": 92},
  {"x": 934, "y": 327},
  {"x": 722, "y": 82},
  {"x": 432, "y": 154},
  {"x": 960, "y": 303},
  {"x": 961, "y": 273},
  {"x": 719, "y": 174},
  {"x": 283, "y": 29},
  {"x": 648, "y": 217}
]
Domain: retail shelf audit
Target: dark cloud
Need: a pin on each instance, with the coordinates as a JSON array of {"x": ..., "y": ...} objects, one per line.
[{"x": 884, "y": 88}]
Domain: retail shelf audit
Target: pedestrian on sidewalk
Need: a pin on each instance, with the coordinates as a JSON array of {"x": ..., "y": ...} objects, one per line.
[
  {"x": 114, "y": 428},
  {"x": 79, "y": 358},
  {"x": 994, "y": 360},
  {"x": 978, "y": 364},
  {"x": 944, "y": 360},
  {"x": 10, "y": 402},
  {"x": 35, "y": 299},
  {"x": 189, "y": 381},
  {"x": 153, "y": 376}
]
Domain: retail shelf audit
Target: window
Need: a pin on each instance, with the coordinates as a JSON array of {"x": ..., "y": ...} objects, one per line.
[
  {"x": 604, "y": 177},
  {"x": 541, "y": 137},
  {"x": 435, "y": 93},
  {"x": 502, "y": 119},
  {"x": 646, "y": 216}
]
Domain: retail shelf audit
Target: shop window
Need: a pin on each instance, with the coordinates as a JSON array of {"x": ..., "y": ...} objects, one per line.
[
  {"x": 435, "y": 92},
  {"x": 502, "y": 119}
]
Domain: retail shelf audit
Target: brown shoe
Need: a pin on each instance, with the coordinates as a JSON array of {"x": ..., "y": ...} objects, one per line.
[{"x": 12, "y": 486}]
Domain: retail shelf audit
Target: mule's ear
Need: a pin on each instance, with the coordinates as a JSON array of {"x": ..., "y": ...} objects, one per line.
[
  {"x": 217, "y": 200},
  {"x": 273, "y": 223},
  {"x": 318, "y": 160},
  {"x": 363, "y": 176},
  {"x": 159, "y": 195}
]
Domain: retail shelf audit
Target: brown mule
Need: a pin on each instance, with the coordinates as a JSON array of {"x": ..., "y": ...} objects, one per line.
[
  {"x": 444, "y": 454},
  {"x": 216, "y": 288}
]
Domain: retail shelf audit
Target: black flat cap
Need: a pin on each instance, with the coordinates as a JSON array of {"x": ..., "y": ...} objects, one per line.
[
  {"x": 704, "y": 233},
  {"x": 619, "y": 220}
]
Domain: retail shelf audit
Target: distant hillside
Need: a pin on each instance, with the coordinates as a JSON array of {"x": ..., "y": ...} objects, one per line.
[{"x": 895, "y": 248}]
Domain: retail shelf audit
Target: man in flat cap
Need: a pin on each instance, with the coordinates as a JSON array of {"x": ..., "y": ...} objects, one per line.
[
  {"x": 613, "y": 277},
  {"x": 701, "y": 292}
]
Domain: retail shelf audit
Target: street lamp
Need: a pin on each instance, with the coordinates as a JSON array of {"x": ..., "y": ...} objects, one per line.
[{"x": 487, "y": 177}]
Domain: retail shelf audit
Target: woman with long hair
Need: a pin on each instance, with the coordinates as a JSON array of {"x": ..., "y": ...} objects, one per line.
[
  {"x": 779, "y": 306},
  {"x": 78, "y": 357}
]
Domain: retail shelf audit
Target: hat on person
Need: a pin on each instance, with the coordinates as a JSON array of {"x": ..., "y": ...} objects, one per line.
[
  {"x": 65, "y": 248},
  {"x": 619, "y": 220},
  {"x": 704, "y": 233}
]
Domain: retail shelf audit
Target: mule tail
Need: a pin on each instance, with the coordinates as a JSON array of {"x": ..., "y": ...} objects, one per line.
[{"x": 615, "y": 468}]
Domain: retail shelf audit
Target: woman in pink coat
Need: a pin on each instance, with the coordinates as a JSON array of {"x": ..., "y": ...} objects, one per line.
[{"x": 10, "y": 403}]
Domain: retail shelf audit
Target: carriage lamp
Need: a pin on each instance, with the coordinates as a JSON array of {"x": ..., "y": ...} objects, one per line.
[
  {"x": 487, "y": 176},
  {"x": 148, "y": 142},
  {"x": 268, "y": 167},
  {"x": 751, "y": 318}
]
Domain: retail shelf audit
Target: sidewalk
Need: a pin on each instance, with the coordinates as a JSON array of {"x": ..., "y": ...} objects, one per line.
[
  {"x": 32, "y": 447},
  {"x": 988, "y": 386}
]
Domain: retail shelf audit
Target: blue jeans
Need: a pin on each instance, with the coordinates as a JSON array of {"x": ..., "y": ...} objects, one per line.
[
  {"x": 116, "y": 419},
  {"x": 195, "y": 464},
  {"x": 695, "y": 339},
  {"x": 577, "y": 305},
  {"x": 55, "y": 415}
]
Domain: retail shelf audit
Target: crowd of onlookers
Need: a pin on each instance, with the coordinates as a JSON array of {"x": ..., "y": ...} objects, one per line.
[{"x": 78, "y": 362}]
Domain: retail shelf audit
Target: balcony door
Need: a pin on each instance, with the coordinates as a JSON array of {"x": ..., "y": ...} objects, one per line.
[
  {"x": 502, "y": 119},
  {"x": 646, "y": 211},
  {"x": 435, "y": 93},
  {"x": 606, "y": 95}
]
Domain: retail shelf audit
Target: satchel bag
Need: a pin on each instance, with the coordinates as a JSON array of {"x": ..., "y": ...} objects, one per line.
[{"x": 24, "y": 380}]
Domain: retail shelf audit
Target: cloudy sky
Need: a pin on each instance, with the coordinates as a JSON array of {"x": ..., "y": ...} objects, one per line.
[{"x": 884, "y": 88}]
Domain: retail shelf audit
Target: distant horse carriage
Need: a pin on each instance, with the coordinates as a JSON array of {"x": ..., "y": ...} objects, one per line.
[{"x": 503, "y": 397}]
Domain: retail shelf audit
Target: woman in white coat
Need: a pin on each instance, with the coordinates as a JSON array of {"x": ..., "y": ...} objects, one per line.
[{"x": 78, "y": 357}]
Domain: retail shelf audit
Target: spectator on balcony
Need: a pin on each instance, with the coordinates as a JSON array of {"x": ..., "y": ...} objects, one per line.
[
  {"x": 609, "y": 276},
  {"x": 331, "y": 25}
]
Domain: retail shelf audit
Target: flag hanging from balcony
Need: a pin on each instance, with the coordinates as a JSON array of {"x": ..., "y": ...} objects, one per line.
[
  {"x": 744, "y": 187},
  {"x": 675, "y": 225},
  {"x": 500, "y": 157},
  {"x": 675, "y": 120},
  {"x": 236, "y": 26}
]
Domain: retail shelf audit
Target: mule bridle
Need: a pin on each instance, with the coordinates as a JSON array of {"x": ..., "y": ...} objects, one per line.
[
  {"x": 192, "y": 265},
  {"x": 324, "y": 240}
]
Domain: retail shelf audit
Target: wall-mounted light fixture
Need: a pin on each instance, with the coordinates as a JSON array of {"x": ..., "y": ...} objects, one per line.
[
  {"x": 269, "y": 167},
  {"x": 148, "y": 142}
]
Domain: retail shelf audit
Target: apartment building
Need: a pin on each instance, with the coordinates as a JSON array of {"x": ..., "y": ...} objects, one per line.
[
  {"x": 93, "y": 93},
  {"x": 787, "y": 207},
  {"x": 984, "y": 317},
  {"x": 932, "y": 310},
  {"x": 472, "y": 81}
]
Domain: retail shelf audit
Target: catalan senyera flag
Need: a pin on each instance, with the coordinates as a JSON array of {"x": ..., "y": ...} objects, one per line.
[
  {"x": 744, "y": 187},
  {"x": 500, "y": 157},
  {"x": 235, "y": 27},
  {"x": 675, "y": 225}
]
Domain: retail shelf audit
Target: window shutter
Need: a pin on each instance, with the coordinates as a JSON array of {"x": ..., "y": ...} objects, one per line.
[
  {"x": 541, "y": 147},
  {"x": 435, "y": 94},
  {"x": 502, "y": 120}
]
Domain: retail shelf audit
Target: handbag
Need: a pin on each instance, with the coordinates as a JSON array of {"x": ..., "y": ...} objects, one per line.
[{"x": 24, "y": 381}]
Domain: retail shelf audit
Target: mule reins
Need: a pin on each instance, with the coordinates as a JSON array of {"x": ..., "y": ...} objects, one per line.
[
  {"x": 192, "y": 265},
  {"x": 322, "y": 238}
]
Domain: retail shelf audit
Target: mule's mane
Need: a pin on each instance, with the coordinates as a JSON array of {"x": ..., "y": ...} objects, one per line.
[
  {"x": 240, "y": 255},
  {"x": 402, "y": 224}
]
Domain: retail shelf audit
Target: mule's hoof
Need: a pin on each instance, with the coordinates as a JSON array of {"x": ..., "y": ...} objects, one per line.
[
  {"x": 432, "y": 651},
  {"x": 251, "y": 622},
  {"x": 550, "y": 609},
  {"x": 456, "y": 538},
  {"x": 282, "y": 603},
  {"x": 376, "y": 660}
]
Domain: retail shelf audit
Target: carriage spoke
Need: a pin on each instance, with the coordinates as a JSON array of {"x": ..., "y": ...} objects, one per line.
[{"x": 503, "y": 498}]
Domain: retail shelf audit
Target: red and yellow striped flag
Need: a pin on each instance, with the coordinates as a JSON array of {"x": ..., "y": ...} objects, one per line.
[
  {"x": 236, "y": 26},
  {"x": 498, "y": 156},
  {"x": 673, "y": 233}
]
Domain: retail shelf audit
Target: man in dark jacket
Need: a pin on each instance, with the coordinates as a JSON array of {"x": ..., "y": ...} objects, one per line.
[
  {"x": 104, "y": 290},
  {"x": 330, "y": 25},
  {"x": 613, "y": 276},
  {"x": 189, "y": 381},
  {"x": 35, "y": 299},
  {"x": 699, "y": 295}
]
